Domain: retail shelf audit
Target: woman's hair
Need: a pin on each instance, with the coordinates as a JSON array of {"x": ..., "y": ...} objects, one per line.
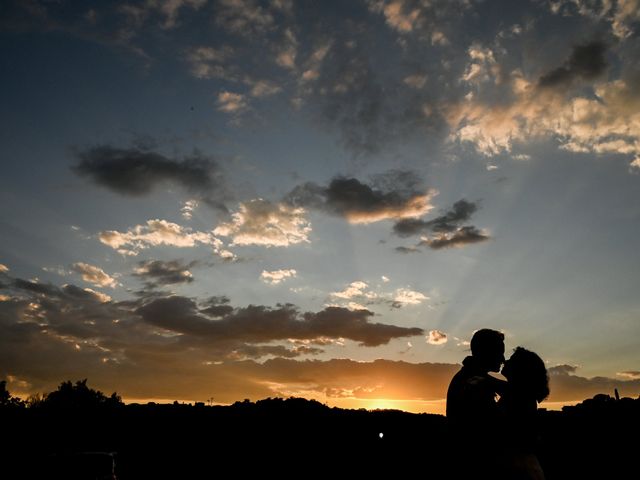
[{"x": 528, "y": 373}]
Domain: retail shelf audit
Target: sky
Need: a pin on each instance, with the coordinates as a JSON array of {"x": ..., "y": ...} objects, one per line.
[{"x": 229, "y": 199}]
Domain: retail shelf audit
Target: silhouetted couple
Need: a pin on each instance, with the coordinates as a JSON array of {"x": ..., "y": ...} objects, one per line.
[{"x": 496, "y": 439}]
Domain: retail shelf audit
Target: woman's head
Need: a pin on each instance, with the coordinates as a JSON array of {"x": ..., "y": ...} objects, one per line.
[{"x": 527, "y": 373}]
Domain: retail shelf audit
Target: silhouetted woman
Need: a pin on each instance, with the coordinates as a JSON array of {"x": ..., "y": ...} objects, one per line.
[{"x": 528, "y": 384}]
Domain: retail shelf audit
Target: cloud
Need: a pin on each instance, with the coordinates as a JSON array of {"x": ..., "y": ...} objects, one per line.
[
  {"x": 264, "y": 88},
  {"x": 160, "y": 232},
  {"x": 562, "y": 369},
  {"x": 175, "y": 347},
  {"x": 229, "y": 102},
  {"x": 94, "y": 275},
  {"x": 352, "y": 93},
  {"x": 482, "y": 66},
  {"x": 449, "y": 222},
  {"x": 436, "y": 337},
  {"x": 286, "y": 56},
  {"x": 400, "y": 15},
  {"x": 3, "y": 268},
  {"x": 447, "y": 229},
  {"x": 101, "y": 297},
  {"x": 354, "y": 290},
  {"x": 138, "y": 172},
  {"x": 587, "y": 62},
  {"x": 170, "y": 9},
  {"x": 403, "y": 249},
  {"x": 258, "y": 324},
  {"x": 188, "y": 209},
  {"x": 277, "y": 276},
  {"x": 604, "y": 121},
  {"x": 396, "y": 197},
  {"x": 244, "y": 17},
  {"x": 620, "y": 15},
  {"x": 361, "y": 292},
  {"x": 416, "y": 81},
  {"x": 208, "y": 62},
  {"x": 158, "y": 272},
  {"x": 460, "y": 237},
  {"x": 46, "y": 328},
  {"x": 261, "y": 222},
  {"x": 311, "y": 68},
  {"x": 630, "y": 374},
  {"x": 404, "y": 296}
]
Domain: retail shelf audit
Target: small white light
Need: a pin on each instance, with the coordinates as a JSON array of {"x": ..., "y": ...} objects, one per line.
[{"x": 381, "y": 434}]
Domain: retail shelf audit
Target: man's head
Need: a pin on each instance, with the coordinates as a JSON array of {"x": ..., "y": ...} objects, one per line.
[{"x": 487, "y": 348}]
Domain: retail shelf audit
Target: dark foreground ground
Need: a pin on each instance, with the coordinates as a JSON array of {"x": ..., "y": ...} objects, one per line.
[{"x": 296, "y": 438}]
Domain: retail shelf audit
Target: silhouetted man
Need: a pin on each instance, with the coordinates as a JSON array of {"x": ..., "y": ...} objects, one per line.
[{"x": 471, "y": 404}]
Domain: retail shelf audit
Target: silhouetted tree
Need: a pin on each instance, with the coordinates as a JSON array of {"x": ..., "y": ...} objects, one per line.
[
  {"x": 6, "y": 399},
  {"x": 35, "y": 400},
  {"x": 80, "y": 396}
]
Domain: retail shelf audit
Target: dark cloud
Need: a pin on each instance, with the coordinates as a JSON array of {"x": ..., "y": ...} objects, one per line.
[
  {"x": 462, "y": 236},
  {"x": 48, "y": 332},
  {"x": 447, "y": 223},
  {"x": 585, "y": 63},
  {"x": 260, "y": 324},
  {"x": 447, "y": 229},
  {"x": 217, "y": 306},
  {"x": 158, "y": 272},
  {"x": 369, "y": 110},
  {"x": 393, "y": 195},
  {"x": 136, "y": 172},
  {"x": 35, "y": 287},
  {"x": 403, "y": 249},
  {"x": 51, "y": 334}
]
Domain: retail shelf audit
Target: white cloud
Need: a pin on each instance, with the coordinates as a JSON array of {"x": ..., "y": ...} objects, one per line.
[
  {"x": 355, "y": 289},
  {"x": 94, "y": 275},
  {"x": 405, "y": 296},
  {"x": 263, "y": 88},
  {"x": 482, "y": 66},
  {"x": 361, "y": 291},
  {"x": 385, "y": 279},
  {"x": 230, "y": 102},
  {"x": 103, "y": 297},
  {"x": 397, "y": 13},
  {"x": 154, "y": 233},
  {"x": 437, "y": 337},
  {"x": 3, "y": 268},
  {"x": 260, "y": 222},
  {"x": 277, "y": 276},
  {"x": 607, "y": 123},
  {"x": 188, "y": 208}
]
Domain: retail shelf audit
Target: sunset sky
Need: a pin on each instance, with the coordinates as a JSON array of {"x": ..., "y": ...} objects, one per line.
[{"x": 236, "y": 199}]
